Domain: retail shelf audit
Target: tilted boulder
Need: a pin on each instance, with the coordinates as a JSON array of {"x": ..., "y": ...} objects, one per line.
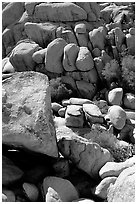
[{"x": 26, "y": 116}]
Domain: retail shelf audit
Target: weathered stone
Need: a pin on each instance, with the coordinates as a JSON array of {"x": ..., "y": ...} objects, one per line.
[
  {"x": 66, "y": 34},
  {"x": 30, "y": 7},
  {"x": 39, "y": 56},
  {"x": 126, "y": 132},
  {"x": 82, "y": 39},
  {"x": 61, "y": 168},
  {"x": 74, "y": 116},
  {"x": 115, "y": 168},
  {"x": 21, "y": 55},
  {"x": 84, "y": 61},
  {"x": 115, "y": 96},
  {"x": 79, "y": 101},
  {"x": 101, "y": 189},
  {"x": 93, "y": 113},
  {"x": 87, "y": 90},
  {"x": 76, "y": 75},
  {"x": 124, "y": 188},
  {"x": 56, "y": 106},
  {"x": 129, "y": 101},
  {"x": 10, "y": 172},
  {"x": 56, "y": 12},
  {"x": 54, "y": 55},
  {"x": 106, "y": 12},
  {"x": 103, "y": 106},
  {"x": 64, "y": 188},
  {"x": 96, "y": 52},
  {"x": 132, "y": 31},
  {"x": 28, "y": 121},
  {"x": 7, "y": 66},
  {"x": 70, "y": 55},
  {"x": 117, "y": 116},
  {"x": 80, "y": 27},
  {"x": 10, "y": 195},
  {"x": 62, "y": 112}
]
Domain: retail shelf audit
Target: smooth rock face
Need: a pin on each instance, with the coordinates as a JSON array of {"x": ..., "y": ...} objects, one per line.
[
  {"x": 27, "y": 119},
  {"x": 117, "y": 116},
  {"x": 64, "y": 188},
  {"x": 115, "y": 96},
  {"x": 54, "y": 55},
  {"x": 129, "y": 101},
  {"x": 10, "y": 172},
  {"x": 124, "y": 188},
  {"x": 115, "y": 168}
]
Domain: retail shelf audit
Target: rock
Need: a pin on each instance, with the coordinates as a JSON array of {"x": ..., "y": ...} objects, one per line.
[
  {"x": 7, "y": 66},
  {"x": 65, "y": 102},
  {"x": 96, "y": 52},
  {"x": 97, "y": 37},
  {"x": 105, "y": 57},
  {"x": 84, "y": 61},
  {"x": 66, "y": 34},
  {"x": 56, "y": 106},
  {"x": 126, "y": 133},
  {"x": 87, "y": 90},
  {"x": 103, "y": 106},
  {"x": 28, "y": 121},
  {"x": 132, "y": 31},
  {"x": 54, "y": 55},
  {"x": 31, "y": 191},
  {"x": 99, "y": 66},
  {"x": 21, "y": 55},
  {"x": 115, "y": 168},
  {"x": 56, "y": 12},
  {"x": 101, "y": 189},
  {"x": 79, "y": 101},
  {"x": 115, "y": 96},
  {"x": 39, "y": 56},
  {"x": 80, "y": 28},
  {"x": 11, "y": 13},
  {"x": 130, "y": 41},
  {"x": 10, "y": 172},
  {"x": 4, "y": 198},
  {"x": 124, "y": 188},
  {"x": 83, "y": 200},
  {"x": 83, "y": 40},
  {"x": 64, "y": 188},
  {"x": 119, "y": 38},
  {"x": 61, "y": 168},
  {"x": 106, "y": 12},
  {"x": 30, "y": 7},
  {"x": 93, "y": 113},
  {"x": 80, "y": 151},
  {"x": 130, "y": 114},
  {"x": 70, "y": 55},
  {"x": 52, "y": 196},
  {"x": 129, "y": 101},
  {"x": 117, "y": 116},
  {"x": 10, "y": 195},
  {"x": 62, "y": 112},
  {"x": 90, "y": 76},
  {"x": 69, "y": 81},
  {"x": 74, "y": 116}
]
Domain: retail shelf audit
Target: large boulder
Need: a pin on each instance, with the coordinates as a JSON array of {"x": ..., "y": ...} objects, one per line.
[
  {"x": 54, "y": 54},
  {"x": 124, "y": 188},
  {"x": 59, "y": 12},
  {"x": 26, "y": 114}
]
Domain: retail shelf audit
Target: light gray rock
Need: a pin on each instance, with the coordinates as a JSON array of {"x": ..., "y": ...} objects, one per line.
[
  {"x": 27, "y": 118},
  {"x": 124, "y": 188},
  {"x": 39, "y": 56},
  {"x": 79, "y": 101},
  {"x": 115, "y": 168},
  {"x": 54, "y": 54},
  {"x": 115, "y": 96},
  {"x": 130, "y": 114},
  {"x": 64, "y": 188},
  {"x": 7, "y": 66},
  {"x": 82, "y": 39},
  {"x": 129, "y": 101},
  {"x": 80, "y": 27},
  {"x": 52, "y": 195}
]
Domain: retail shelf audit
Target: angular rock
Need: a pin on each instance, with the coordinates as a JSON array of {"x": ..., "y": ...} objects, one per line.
[
  {"x": 101, "y": 189},
  {"x": 115, "y": 96},
  {"x": 84, "y": 61},
  {"x": 21, "y": 55},
  {"x": 115, "y": 168},
  {"x": 93, "y": 113},
  {"x": 54, "y": 55},
  {"x": 70, "y": 55},
  {"x": 124, "y": 188},
  {"x": 86, "y": 155},
  {"x": 74, "y": 116},
  {"x": 10, "y": 172},
  {"x": 129, "y": 101},
  {"x": 87, "y": 90},
  {"x": 28, "y": 122},
  {"x": 117, "y": 116},
  {"x": 56, "y": 12},
  {"x": 64, "y": 188}
]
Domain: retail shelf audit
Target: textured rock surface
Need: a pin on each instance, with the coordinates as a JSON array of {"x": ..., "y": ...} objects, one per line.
[
  {"x": 27, "y": 119},
  {"x": 64, "y": 188}
]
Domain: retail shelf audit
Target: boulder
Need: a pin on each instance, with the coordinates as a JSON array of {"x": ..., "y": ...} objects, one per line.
[
  {"x": 130, "y": 114},
  {"x": 62, "y": 112},
  {"x": 86, "y": 90},
  {"x": 79, "y": 101},
  {"x": 117, "y": 116},
  {"x": 80, "y": 27},
  {"x": 84, "y": 61},
  {"x": 115, "y": 96},
  {"x": 96, "y": 52},
  {"x": 7, "y": 66},
  {"x": 52, "y": 195},
  {"x": 56, "y": 106},
  {"x": 31, "y": 191},
  {"x": 54, "y": 54},
  {"x": 66, "y": 192},
  {"x": 69, "y": 81},
  {"x": 56, "y": 12},
  {"x": 39, "y": 56},
  {"x": 70, "y": 55},
  {"x": 10, "y": 195},
  {"x": 10, "y": 172},
  {"x": 27, "y": 118},
  {"x": 129, "y": 101},
  {"x": 21, "y": 55},
  {"x": 115, "y": 168},
  {"x": 93, "y": 113},
  {"x": 124, "y": 188},
  {"x": 30, "y": 7},
  {"x": 67, "y": 34},
  {"x": 83, "y": 40},
  {"x": 101, "y": 189},
  {"x": 90, "y": 76},
  {"x": 74, "y": 116}
]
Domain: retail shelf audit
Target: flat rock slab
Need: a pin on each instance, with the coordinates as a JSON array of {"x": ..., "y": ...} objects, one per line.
[{"x": 26, "y": 113}]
